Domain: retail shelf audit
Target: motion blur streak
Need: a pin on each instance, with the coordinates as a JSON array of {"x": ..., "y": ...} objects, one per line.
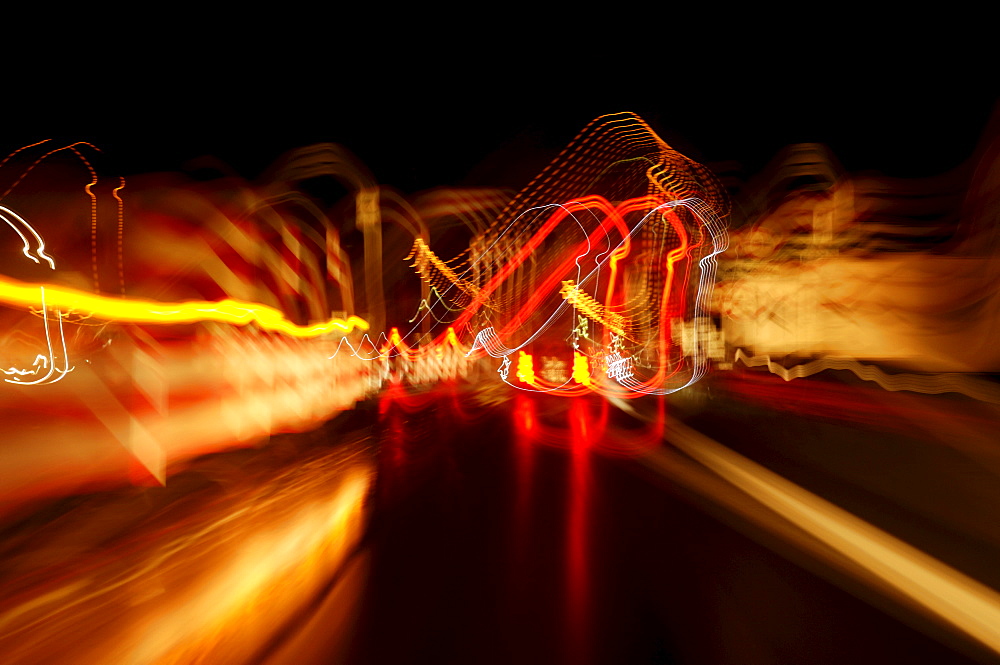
[
  {"x": 901, "y": 273},
  {"x": 176, "y": 402},
  {"x": 878, "y": 558},
  {"x": 176, "y": 586},
  {"x": 13, "y": 292}
]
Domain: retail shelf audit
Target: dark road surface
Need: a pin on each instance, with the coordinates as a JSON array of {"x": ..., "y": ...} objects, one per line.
[{"x": 497, "y": 541}]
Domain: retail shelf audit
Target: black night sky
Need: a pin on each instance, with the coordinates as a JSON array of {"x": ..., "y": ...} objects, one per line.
[
  {"x": 420, "y": 122},
  {"x": 477, "y": 141}
]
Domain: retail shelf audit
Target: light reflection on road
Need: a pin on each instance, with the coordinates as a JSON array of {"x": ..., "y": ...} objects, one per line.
[{"x": 209, "y": 569}]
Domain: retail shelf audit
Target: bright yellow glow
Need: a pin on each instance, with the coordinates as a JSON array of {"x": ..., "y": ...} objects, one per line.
[
  {"x": 237, "y": 312},
  {"x": 394, "y": 338},
  {"x": 525, "y": 368},
  {"x": 581, "y": 369}
]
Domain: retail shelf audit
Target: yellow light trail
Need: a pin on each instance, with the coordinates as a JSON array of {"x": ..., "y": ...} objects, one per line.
[{"x": 128, "y": 310}]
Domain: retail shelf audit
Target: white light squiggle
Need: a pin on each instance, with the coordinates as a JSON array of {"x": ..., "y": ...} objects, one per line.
[
  {"x": 36, "y": 253},
  {"x": 50, "y": 362},
  {"x": 20, "y": 226}
]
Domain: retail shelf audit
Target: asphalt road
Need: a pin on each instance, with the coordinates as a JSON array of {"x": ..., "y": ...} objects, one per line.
[{"x": 500, "y": 537}]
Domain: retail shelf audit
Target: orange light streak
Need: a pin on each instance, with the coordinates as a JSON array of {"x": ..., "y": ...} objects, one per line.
[
  {"x": 121, "y": 231},
  {"x": 422, "y": 254},
  {"x": 89, "y": 188}
]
